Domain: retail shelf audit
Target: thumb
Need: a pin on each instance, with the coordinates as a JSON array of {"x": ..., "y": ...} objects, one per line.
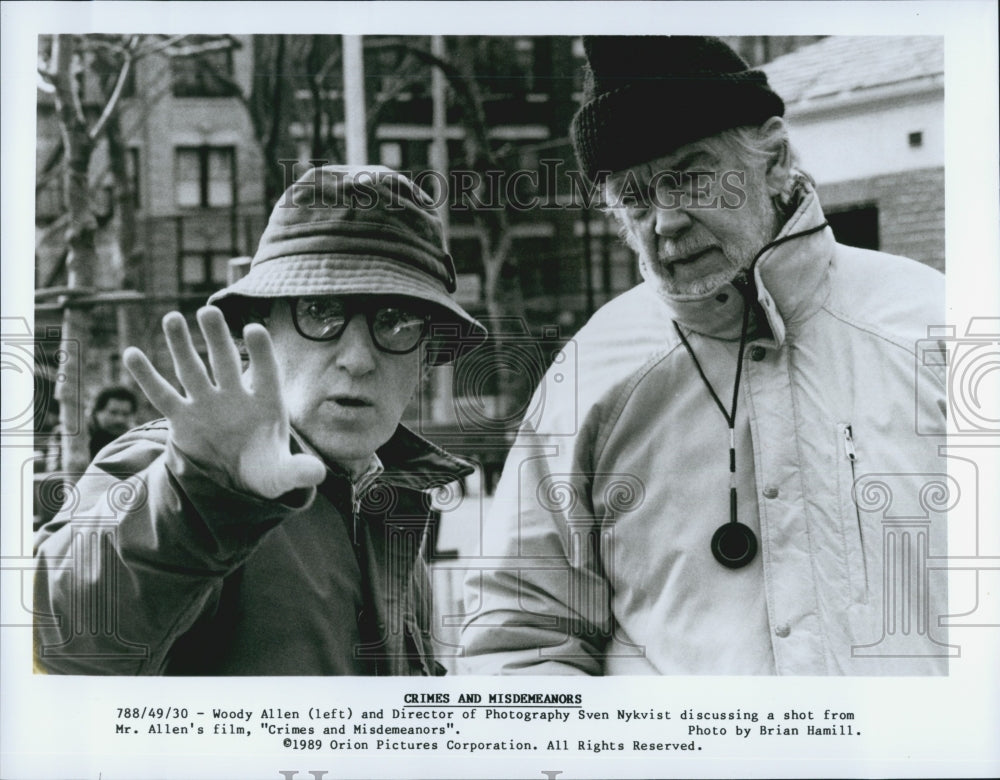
[{"x": 301, "y": 471}]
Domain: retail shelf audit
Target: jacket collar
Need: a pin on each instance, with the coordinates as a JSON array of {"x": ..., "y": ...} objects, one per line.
[
  {"x": 792, "y": 280},
  {"x": 406, "y": 460},
  {"x": 414, "y": 462}
]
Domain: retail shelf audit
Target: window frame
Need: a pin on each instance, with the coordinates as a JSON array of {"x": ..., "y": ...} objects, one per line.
[
  {"x": 204, "y": 152},
  {"x": 190, "y": 78}
]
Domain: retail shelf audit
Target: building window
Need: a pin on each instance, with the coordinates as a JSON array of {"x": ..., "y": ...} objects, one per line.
[
  {"x": 205, "y": 176},
  {"x": 416, "y": 155},
  {"x": 505, "y": 66},
  {"x": 855, "y": 226},
  {"x": 407, "y": 155},
  {"x": 106, "y": 72},
  {"x": 206, "y": 74},
  {"x": 525, "y": 61},
  {"x": 203, "y": 271}
]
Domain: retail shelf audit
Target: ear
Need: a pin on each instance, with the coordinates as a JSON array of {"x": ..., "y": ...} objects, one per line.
[{"x": 774, "y": 136}]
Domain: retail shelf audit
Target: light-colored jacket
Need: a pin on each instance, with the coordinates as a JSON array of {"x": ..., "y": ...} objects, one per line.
[{"x": 597, "y": 549}]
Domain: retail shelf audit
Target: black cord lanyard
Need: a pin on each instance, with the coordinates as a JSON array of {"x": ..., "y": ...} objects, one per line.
[{"x": 734, "y": 544}]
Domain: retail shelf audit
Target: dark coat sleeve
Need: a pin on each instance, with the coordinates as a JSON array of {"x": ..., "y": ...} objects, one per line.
[{"x": 138, "y": 553}]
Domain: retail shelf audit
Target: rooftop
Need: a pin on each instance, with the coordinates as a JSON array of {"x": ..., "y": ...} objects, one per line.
[{"x": 846, "y": 66}]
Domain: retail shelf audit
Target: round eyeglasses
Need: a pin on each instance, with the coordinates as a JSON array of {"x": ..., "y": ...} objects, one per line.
[{"x": 395, "y": 327}]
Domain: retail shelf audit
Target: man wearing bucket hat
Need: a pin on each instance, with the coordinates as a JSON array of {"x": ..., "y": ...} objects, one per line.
[
  {"x": 736, "y": 419},
  {"x": 276, "y": 521}
]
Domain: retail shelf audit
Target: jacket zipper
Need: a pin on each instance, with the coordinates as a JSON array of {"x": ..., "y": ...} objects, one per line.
[
  {"x": 355, "y": 511},
  {"x": 852, "y": 456},
  {"x": 360, "y": 553}
]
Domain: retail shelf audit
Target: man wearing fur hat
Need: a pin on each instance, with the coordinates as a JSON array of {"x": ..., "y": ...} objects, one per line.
[
  {"x": 275, "y": 522},
  {"x": 707, "y": 514}
]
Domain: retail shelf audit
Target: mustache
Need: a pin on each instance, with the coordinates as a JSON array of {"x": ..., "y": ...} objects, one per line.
[
  {"x": 668, "y": 249},
  {"x": 683, "y": 245}
]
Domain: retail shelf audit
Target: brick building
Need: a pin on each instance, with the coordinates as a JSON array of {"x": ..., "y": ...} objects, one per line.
[{"x": 867, "y": 116}]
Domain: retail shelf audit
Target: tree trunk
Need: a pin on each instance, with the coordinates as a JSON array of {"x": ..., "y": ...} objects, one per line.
[
  {"x": 274, "y": 176},
  {"x": 82, "y": 255},
  {"x": 492, "y": 223},
  {"x": 131, "y": 320}
]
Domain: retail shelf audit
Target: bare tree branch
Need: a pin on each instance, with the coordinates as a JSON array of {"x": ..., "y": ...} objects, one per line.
[
  {"x": 47, "y": 68},
  {"x": 57, "y": 227},
  {"x": 116, "y": 93},
  {"x": 464, "y": 92},
  {"x": 204, "y": 47},
  {"x": 110, "y": 45},
  {"x": 384, "y": 99},
  {"x": 331, "y": 62},
  {"x": 61, "y": 69},
  {"x": 159, "y": 46}
]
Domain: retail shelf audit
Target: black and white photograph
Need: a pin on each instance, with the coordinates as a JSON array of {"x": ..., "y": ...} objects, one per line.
[{"x": 678, "y": 363}]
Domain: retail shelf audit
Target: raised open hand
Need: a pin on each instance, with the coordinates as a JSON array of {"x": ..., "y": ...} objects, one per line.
[{"x": 232, "y": 420}]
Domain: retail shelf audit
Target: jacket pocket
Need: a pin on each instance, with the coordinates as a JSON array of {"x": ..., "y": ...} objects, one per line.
[{"x": 851, "y": 527}]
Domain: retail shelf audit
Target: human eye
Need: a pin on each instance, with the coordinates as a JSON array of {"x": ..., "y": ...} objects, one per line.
[
  {"x": 397, "y": 320},
  {"x": 398, "y": 329},
  {"x": 321, "y": 309},
  {"x": 319, "y": 317}
]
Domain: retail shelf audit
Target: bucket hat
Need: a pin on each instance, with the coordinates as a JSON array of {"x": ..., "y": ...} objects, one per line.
[{"x": 357, "y": 230}]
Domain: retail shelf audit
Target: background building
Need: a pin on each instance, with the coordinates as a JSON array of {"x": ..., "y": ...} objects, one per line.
[
  {"x": 210, "y": 129},
  {"x": 867, "y": 115},
  {"x": 191, "y": 199}
]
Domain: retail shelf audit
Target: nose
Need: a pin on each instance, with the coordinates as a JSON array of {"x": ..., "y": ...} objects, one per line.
[
  {"x": 355, "y": 350},
  {"x": 671, "y": 221}
]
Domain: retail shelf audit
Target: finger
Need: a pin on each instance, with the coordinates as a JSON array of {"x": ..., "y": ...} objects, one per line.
[
  {"x": 190, "y": 370},
  {"x": 266, "y": 373},
  {"x": 301, "y": 471},
  {"x": 222, "y": 353},
  {"x": 155, "y": 387}
]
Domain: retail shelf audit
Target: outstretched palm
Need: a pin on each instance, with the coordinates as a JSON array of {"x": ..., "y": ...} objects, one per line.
[{"x": 232, "y": 420}]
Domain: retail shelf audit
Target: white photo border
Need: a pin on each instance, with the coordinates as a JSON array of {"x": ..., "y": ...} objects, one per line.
[{"x": 63, "y": 727}]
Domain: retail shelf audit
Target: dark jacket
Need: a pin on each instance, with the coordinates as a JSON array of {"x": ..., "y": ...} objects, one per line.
[
  {"x": 99, "y": 438},
  {"x": 153, "y": 566}
]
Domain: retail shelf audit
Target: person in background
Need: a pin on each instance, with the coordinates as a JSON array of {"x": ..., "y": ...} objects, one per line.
[
  {"x": 277, "y": 520},
  {"x": 112, "y": 415}
]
